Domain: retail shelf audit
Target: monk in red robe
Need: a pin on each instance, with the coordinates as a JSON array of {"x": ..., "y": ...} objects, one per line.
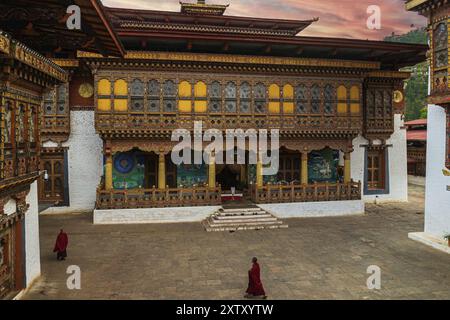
[
  {"x": 255, "y": 288},
  {"x": 61, "y": 245}
]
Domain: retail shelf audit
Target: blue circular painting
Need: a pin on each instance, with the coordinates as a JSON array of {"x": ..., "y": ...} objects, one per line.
[{"x": 124, "y": 163}]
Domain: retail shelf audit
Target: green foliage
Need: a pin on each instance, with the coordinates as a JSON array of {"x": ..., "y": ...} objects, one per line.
[
  {"x": 418, "y": 36},
  {"x": 424, "y": 113},
  {"x": 416, "y": 88}
]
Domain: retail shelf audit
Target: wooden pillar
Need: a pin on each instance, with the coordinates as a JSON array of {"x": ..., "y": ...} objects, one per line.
[
  {"x": 212, "y": 171},
  {"x": 347, "y": 167},
  {"x": 243, "y": 174},
  {"x": 304, "y": 172},
  {"x": 109, "y": 172},
  {"x": 162, "y": 171},
  {"x": 259, "y": 173}
]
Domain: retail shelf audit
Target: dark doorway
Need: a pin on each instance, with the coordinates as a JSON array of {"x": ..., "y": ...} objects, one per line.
[{"x": 228, "y": 178}]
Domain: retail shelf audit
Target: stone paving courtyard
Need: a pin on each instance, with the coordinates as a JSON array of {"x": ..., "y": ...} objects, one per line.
[{"x": 315, "y": 258}]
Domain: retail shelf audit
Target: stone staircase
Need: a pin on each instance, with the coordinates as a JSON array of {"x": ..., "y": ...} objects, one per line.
[{"x": 249, "y": 218}]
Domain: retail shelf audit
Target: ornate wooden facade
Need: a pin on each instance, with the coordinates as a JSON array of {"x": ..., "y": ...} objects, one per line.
[
  {"x": 24, "y": 78},
  {"x": 184, "y": 67},
  {"x": 438, "y": 14}
]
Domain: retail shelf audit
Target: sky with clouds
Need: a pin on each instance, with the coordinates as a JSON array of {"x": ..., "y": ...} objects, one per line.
[{"x": 337, "y": 18}]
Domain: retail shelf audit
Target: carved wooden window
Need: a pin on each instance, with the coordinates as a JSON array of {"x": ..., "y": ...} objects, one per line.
[
  {"x": 32, "y": 121},
  {"x": 440, "y": 45},
  {"x": 137, "y": 91},
  {"x": 200, "y": 97},
  {"x": 379, "y": 107},
  {"x": 329, "y": 99},
  {"x": 230, "y": 97},
  {"x": 301, "y": 99},
  {"x": 370, "y": 103},
  {"x": 120, "y": 95},
  {"x": 274, "y": 99},
  {"x": 169, "y": 96},
  {"x": 20, "y": 130},
  {"x": 154, "y": 91},
  {"x": 342, "y": 97},
  {"x": 376, "y": 169},
  {"x": 49, "y": 104},
  {"x": 388, "y": 103},
  {"x": 56, "y": 110},
  {"x": 104, "y": 95},
  {"x": 245, "y": 97},
  {"x": 61, "y": 94},
  {"x": 355, "y": 105},
  {"x": 288, "y": 99},
  {"x": 260, "y": 95},
  {"x": 184, "y": 97},
  {"x": 215, "y": 97},
  {"x": 9, "y": 114},
  {"x": 315, "y": 98}
]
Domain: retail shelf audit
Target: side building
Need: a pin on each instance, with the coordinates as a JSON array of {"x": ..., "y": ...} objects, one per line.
[
  {"x": 25, "y": 76},
  {"x": 437, "y": 198}
]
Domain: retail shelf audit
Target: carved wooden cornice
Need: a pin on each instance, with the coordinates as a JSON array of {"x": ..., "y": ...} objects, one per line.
[
  {"x": 145, "y": 25},
  {"x": 174, "y": 57},
  {"x": 14, "y": 185},
  {"x": 22, "y": 53}
]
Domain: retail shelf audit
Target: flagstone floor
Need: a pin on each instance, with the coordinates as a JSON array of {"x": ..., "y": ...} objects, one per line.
[{"x": 315, "y": 258}]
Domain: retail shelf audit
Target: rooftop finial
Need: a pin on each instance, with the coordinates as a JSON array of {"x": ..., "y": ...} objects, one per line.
[{"x": 201, "y": 8}]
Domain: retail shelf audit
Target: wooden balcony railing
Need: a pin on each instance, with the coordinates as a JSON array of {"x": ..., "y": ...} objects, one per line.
[
  {"x": 130, "y": 121},
  {"x": 158, "y": 198},
  {"x": 306, "y": 192},
  {"x": 418, "y": 154}
]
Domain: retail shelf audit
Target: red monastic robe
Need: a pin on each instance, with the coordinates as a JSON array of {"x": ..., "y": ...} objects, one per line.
[
  {"x": 61, "y": 242},
  {"x": 255, "y": 286}
]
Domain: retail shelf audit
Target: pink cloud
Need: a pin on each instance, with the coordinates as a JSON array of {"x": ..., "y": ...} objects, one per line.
[{"x": 337, "y": 18}]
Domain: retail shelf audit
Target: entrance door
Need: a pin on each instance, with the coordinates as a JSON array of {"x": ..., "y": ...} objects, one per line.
[{"x": 52, "y": 190}]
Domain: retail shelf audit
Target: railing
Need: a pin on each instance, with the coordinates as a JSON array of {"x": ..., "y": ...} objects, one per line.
[
  {"x": 418, "y": 167},
  {"x": 169, "y": 121},
  {"x": 306, "y": 192},
  {"x": 418, "y": 154},
  {"x": 158, "y": 198}
]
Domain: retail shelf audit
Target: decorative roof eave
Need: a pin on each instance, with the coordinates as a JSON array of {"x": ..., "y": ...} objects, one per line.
[
  {"x": 415, "y": 4},
  {"x": 22, "y": 53},
  {"x": 100, "y": 9},
  {"x": 423, "y": 6},
  {"x": 401, "y": 75},
  {"x": 143, "y": 25},
  {"x": 175, "y": 18},
  {"x": 242, "y": 59}
]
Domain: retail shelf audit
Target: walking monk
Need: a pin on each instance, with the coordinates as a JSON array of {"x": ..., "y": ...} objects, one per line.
[
  {"x": 61, "y": 245},
  {"x": 255, "y": 288}
]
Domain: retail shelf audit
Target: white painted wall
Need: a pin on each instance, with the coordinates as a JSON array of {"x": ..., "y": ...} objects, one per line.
[
  {"x": 32, "y": 250},
  {"x": 398, "y": 171},
  {"x": 85, "y": 159},
  {"x": 314, "y": 209},
  {"x": 154, "y": 215},
  {"x": 437, "y": 198}
]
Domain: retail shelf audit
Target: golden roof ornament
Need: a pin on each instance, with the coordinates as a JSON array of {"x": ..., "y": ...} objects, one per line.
[{"x": 201, "y": 8}]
